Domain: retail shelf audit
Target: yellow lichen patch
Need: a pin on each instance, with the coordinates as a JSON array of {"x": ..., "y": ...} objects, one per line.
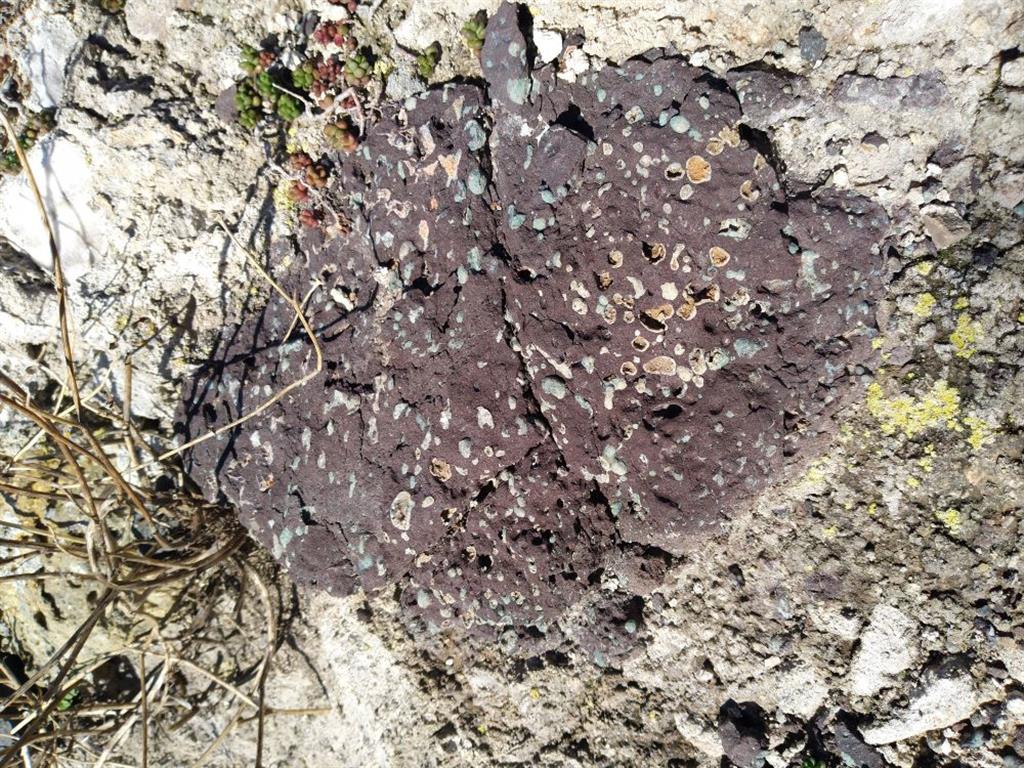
[
  {"x": 283, "y": 201},
  {"x": 962, "y": 303},
  {"x": 924, "y": 267},
  {"x": 924, "y": 305},
  {"x": 951, "y": 518},
  {"x": 911, "y": 415},
  {"x": 698, "y": 170},
  {"x": 816, "y": 472},
  {"x": 878, "y": 342},
  {"x": 982, "y": 432},
  {"x": 873, "y": 508},
  {"x": 964, "y": 336},
  {"x": 715, "y": 146}
]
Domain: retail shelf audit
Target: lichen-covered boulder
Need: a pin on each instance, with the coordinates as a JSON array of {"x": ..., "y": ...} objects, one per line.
[{"x": 567, "y": 326}]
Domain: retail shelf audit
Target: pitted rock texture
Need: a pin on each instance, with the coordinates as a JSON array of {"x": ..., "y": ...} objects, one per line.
[{"x": 565, "y": 323}]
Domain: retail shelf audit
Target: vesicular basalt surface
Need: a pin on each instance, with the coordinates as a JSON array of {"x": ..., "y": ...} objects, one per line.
[{"x": 567, "y": 323}]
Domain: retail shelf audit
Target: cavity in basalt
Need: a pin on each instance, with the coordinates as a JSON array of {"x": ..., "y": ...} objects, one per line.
[{"x": 570, "y": 322}]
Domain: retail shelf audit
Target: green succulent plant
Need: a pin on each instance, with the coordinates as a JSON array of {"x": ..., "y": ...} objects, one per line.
[
  {"x": 342, "y": 135},
  {"x": 427, "y": 61},
  {"x": 303, "y": 77},
  {"x": 474, "y": 30},
  {"x": 288, "y": 107},
  {"x": 9, "y": 162},
  {"x": 249, "y": 62},
  {"x": 358, "y": 69}
]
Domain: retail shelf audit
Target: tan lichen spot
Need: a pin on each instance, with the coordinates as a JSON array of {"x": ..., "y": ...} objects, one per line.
[
  {"x": 674, "y": 171},
  {"x": 401, "y": 511},
  {"x": 748, "y": 191},
  {"x": 604, "y": 280},
  {"x": 655, "y": 252},
  {"x": 698, "y": 170},
  {"x": 715, "y": 146},
  {"x": 610, "y": 314},
  {"x": 441, "y": 469},
  {"x": 759, "y": 161},
  {"x": 719, "y": 256},
  {"x": 450, "y": 163},
  {"x": 730, "y": 135},
  {"x": 660, "y": 313},
  {"x": 698, "y": 361},
  {"x": 628, "y": 369},
  {"x": 687, "y": 310},
  {"x": 640, "y": 344},
  {"x": 708, "y": 294},
  {"x": 740, "y": 296},
  {"x": 662, "y": 365},
  {"x": 628, "y": 316},
  {"x": 615, "y": 259}
]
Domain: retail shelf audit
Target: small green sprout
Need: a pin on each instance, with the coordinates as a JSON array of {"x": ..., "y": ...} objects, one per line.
[
  {"x": 426, "y": 62},
  {"x": 473, "y": 31},
  {"x": 112, "y": 6},
  {"x": 67, "y": 700}
]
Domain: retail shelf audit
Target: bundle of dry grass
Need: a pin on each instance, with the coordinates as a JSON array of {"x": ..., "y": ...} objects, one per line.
[{"x": 183, "y": 612}]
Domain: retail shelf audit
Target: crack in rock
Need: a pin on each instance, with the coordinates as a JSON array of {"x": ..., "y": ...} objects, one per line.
[{"x": 606, "y": 329}]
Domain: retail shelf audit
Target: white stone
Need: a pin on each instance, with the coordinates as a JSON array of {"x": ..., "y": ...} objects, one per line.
[
  {"x": 549, "y": 44},
  {"x": 943, "y": 703},
  {"x": 801, "y": 692},
  {"x": 1012, "y": 73},
  {"x": 44, "y": 60},
  {"x": 1012, "y": 655},
  {"x": 64, "y": 176},
  {"x": 886, "y": 649}
]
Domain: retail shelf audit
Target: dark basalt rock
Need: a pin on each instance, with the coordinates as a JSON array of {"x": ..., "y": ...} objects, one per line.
[{"x": 564, "y": 331}]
